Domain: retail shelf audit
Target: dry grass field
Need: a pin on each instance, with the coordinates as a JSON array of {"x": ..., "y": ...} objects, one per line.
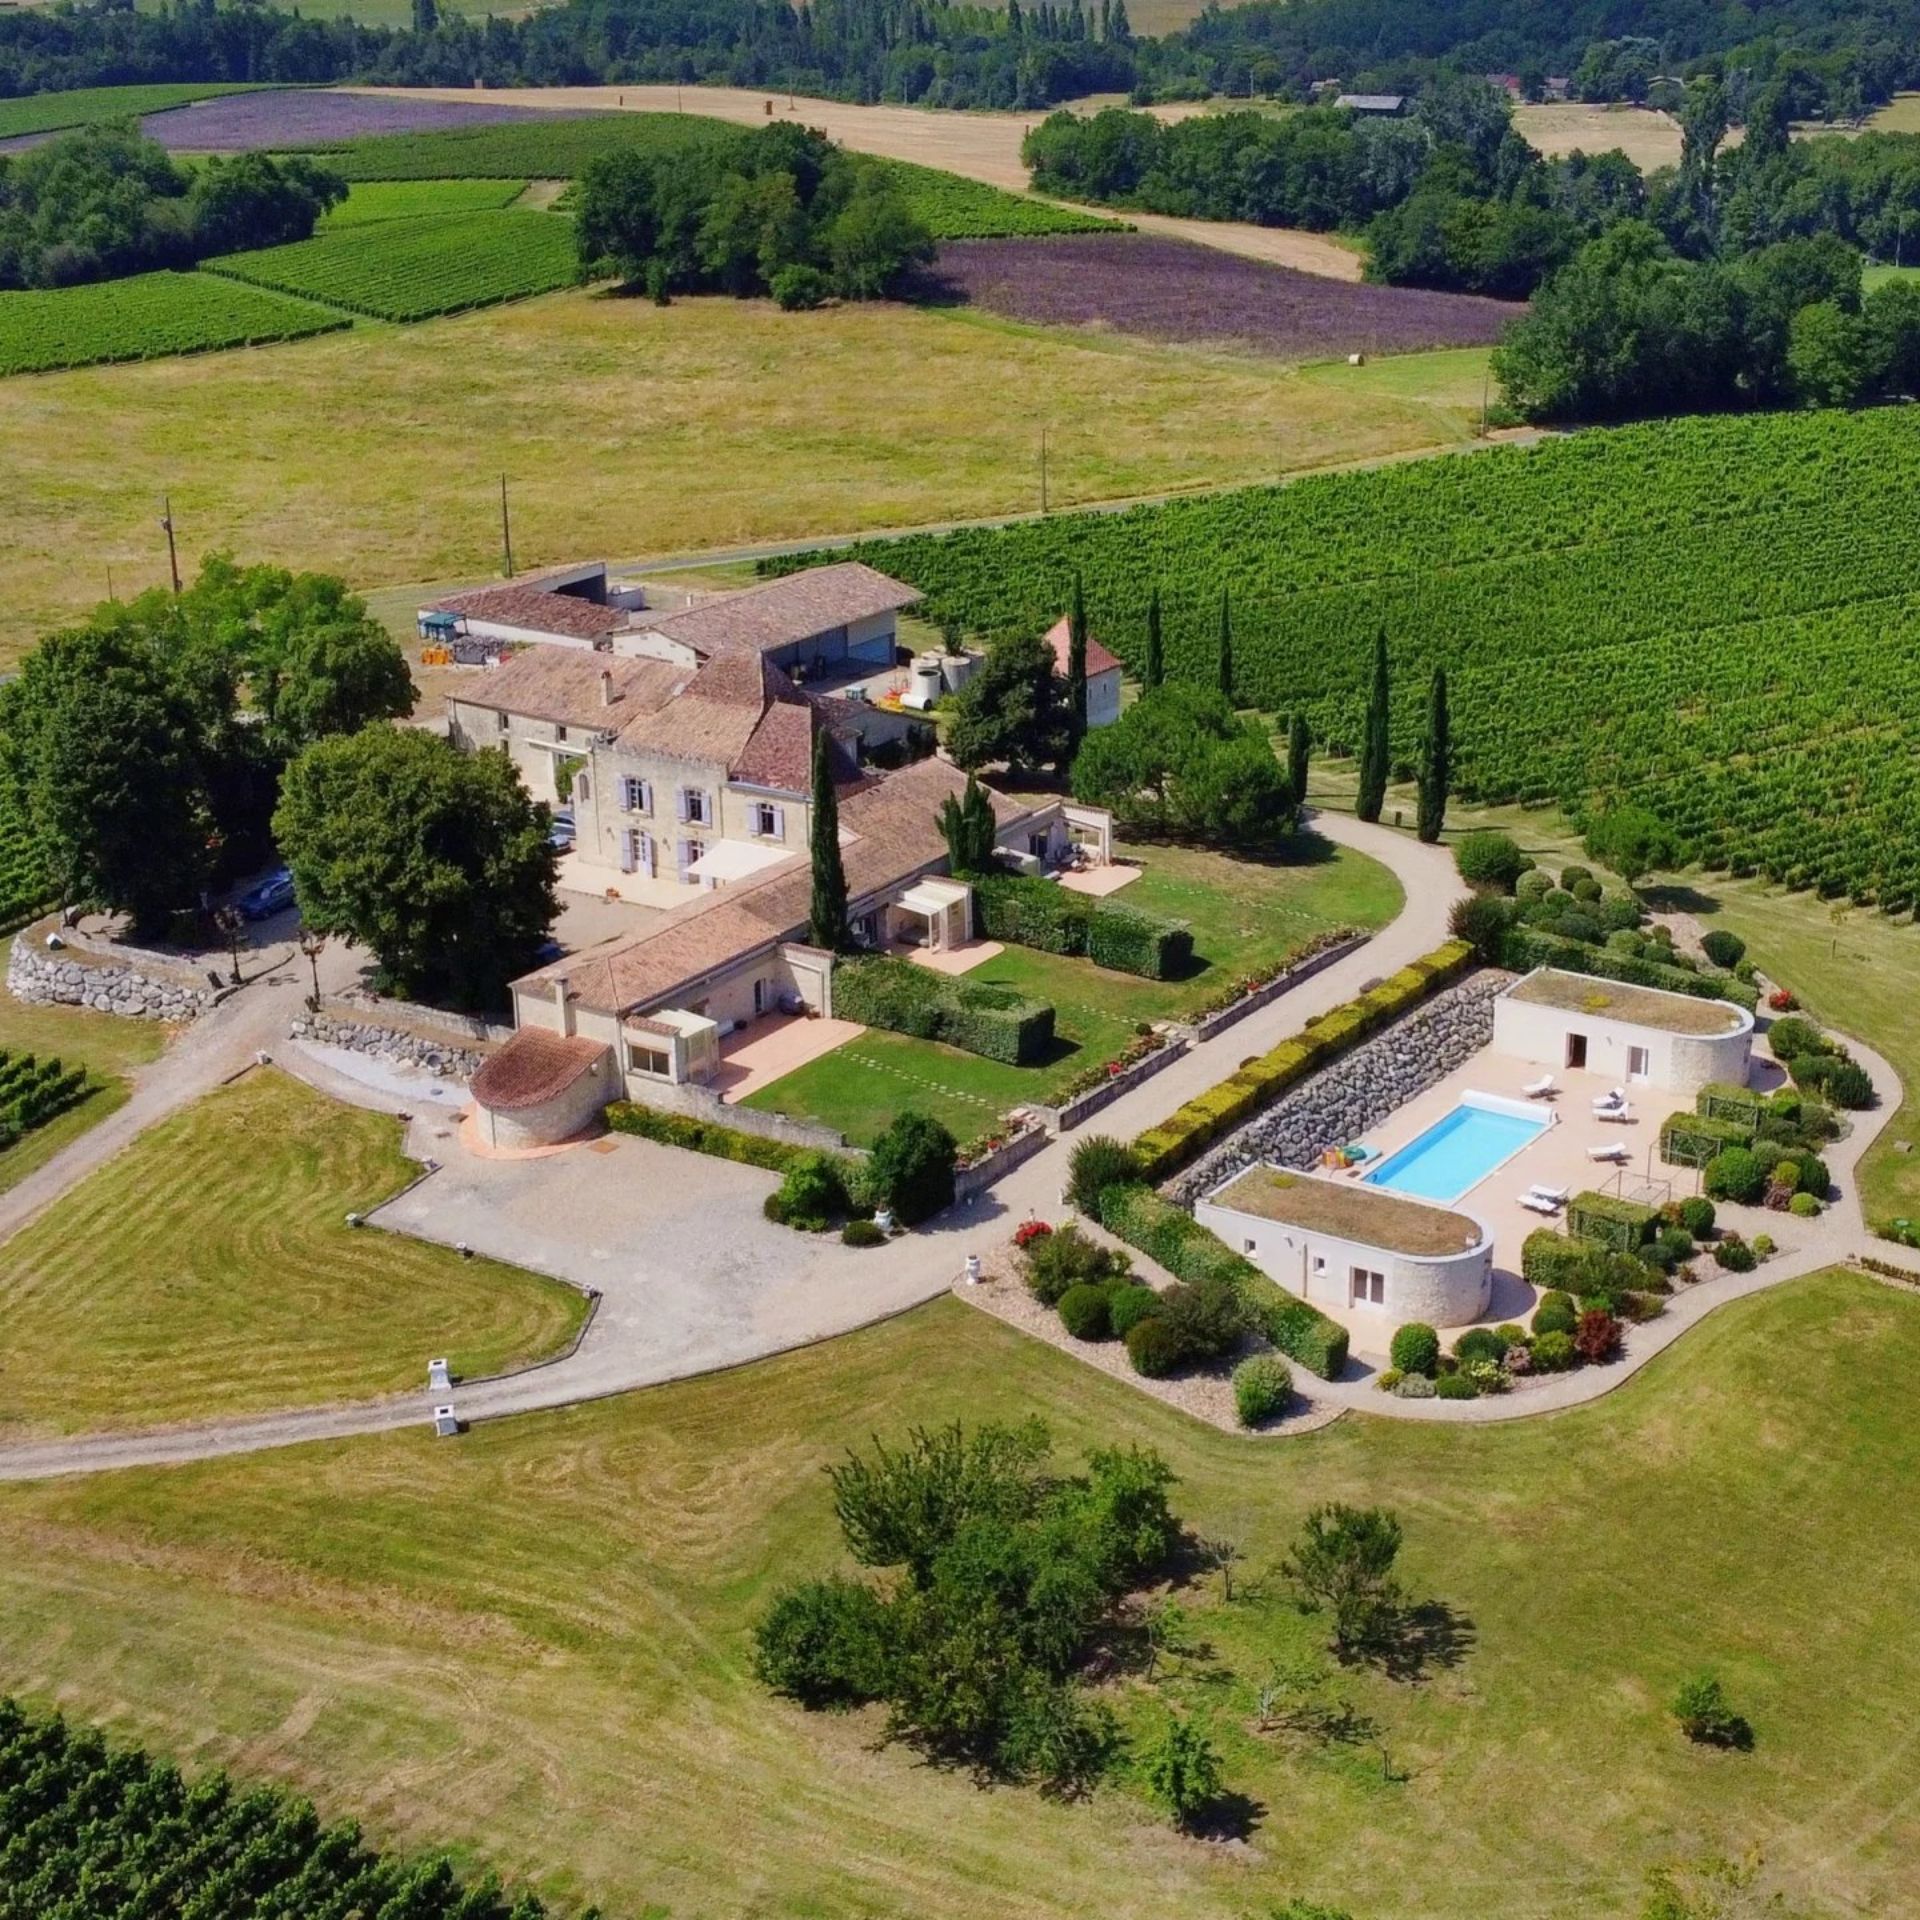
[
  {"x": 209, "y": 1270},
  {"x": 532, "y": 1642},
  {"x": 627, "y": 429},
  {"x": 1647, "y": 138}
]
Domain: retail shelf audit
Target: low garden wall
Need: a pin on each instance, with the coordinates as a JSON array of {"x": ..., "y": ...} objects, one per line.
[
  {"x": 702, "y": 1103},
  {"x": 130, "y": 981},
  {"x": 1264, "y": 995},
  {"x": 971, "y": 1181},
  {"x": 448, "y": 1045},
  {"x": 1359, "y": 1090},
  {"x": 1082, "y": 1106}
]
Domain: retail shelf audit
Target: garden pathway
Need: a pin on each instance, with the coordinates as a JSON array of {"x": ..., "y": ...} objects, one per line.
[{"x": 707, "y": 1285}]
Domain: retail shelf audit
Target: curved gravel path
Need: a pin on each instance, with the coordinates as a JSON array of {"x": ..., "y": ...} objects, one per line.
[{"x": 667, "y": 1326}]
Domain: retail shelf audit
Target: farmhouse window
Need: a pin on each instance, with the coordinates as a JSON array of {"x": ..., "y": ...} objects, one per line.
[
  {"x": 502, "y": 722},
  {"x": 693, "y": 808},
  {"x": 1369, "y": 1288},
  {"x": 636, "y": 795},
  {"x": 769, "y": 822},
  {"x": 652, "y": 1061}
]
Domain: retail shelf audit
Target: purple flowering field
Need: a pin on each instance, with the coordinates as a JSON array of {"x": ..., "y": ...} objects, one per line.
[{"x": 1171, "y": 290}]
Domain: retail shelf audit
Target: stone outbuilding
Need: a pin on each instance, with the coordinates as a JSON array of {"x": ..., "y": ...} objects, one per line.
[
  {"x": 1349, "y": 1248},
  {"x": 541, "y": 1088},
  {"x": 1635, "y": 1036}
]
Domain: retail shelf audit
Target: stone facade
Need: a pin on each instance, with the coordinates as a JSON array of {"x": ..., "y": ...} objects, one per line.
[
  {"x": 1347, "y": 1100},
  {"x": 136, "y": 986}
]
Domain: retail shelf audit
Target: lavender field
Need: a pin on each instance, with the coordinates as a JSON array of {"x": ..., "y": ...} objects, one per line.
[
  {"x": 296, "y": 119},
  {"x": 1170, "y": 290}
]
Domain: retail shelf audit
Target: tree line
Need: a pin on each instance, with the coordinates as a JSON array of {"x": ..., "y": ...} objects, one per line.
[
  {"x": 103, "y": 202},
  {"x": 958, "y": 54}
]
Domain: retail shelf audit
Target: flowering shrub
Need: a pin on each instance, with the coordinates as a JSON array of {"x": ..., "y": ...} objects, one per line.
[
  {"x": 1234, "y": 991},
  {"x": 1781, "y": 1000},
  {"x": 1028, "y": 1231},
  {"x": 1518, "y": 1359},
  {"x": 1136, "y": 1050}
]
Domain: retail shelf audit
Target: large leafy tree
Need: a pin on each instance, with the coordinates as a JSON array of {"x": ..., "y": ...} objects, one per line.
[
  {"x": 1181, "y": 763},
  {"x": 436, "y": 861},
  {"x": 1011, "y": 712}
]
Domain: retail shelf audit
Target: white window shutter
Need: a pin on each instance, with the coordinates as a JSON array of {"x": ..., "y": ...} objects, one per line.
[{"x": 779, "y": 822}]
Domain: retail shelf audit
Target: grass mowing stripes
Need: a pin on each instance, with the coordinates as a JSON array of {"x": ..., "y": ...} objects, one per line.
[
  {"x": 220, "y": 1276},
  {"x": 554, "y": 149},
  {"x": 957, "y": 209},
  {"x": 414, "y": 269},
  {"x": 83, "y": 106},
  {"x": 150, "y": 316},
  {"x": 375, "y": 200}
]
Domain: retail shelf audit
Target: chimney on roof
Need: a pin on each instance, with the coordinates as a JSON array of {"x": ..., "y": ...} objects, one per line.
[
  {"x": 606, "y": 686},
  {"x": 565, "y": 1005}
]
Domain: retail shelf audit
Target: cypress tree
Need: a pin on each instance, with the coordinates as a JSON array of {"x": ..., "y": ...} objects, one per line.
[
  {"x": 1375, "y": 751},
  {"x": 1077, "y": 662},
  {"x": 1436, "y": 762},
  {"x": 1299, "y": 743},
  {"x": 1226, "y": 647},
  {"x": 829, "y": 917},
  {"x": 1155, "y": 669}
]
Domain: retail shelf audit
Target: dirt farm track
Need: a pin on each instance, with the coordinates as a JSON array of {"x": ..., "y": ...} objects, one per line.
[{"x": 978, "y": 146}]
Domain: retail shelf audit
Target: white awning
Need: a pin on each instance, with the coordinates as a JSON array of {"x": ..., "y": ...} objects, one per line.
[
  {"x": 932, "y": 897},
  {"x": 735, "y": 860}
]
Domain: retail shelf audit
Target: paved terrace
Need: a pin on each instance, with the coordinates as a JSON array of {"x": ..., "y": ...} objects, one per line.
[{"x": 693, "y": 1280}]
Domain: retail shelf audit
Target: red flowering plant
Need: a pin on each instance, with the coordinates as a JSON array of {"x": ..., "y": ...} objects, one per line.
[
  {"x": 1782, "y": 1000},
  {"x": 1028, "y": 1231}
]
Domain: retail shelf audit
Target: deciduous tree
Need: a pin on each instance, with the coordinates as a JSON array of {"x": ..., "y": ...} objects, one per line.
[{"x": 1342, "y": 1564}]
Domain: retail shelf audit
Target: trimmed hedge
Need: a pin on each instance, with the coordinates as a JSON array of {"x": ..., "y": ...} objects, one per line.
[
  {"x": 724, "y": 1143},
  {"x": 1173, "y": 1237},
  {"x": 1619, "y": 1224},
  {"x": 1692, "y": 1139},
  {"x": 1527, "y": 947},
  {"x": 1718, "y": 1100},
  {"x": 1025, "y": 912},
  {"x": 994, "y": 1022},
  {"x": 1184, "y": 1135}
]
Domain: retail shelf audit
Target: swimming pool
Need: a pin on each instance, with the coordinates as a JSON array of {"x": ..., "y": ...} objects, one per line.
[{"x": 1458, "y": 1152}]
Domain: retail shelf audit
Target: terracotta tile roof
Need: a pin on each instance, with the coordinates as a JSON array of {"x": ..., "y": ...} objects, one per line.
[
  {"x": 537, "y": 609},
  {"x": 890, "y": 834},
  {"x": 534, "y": 1066},
  {"x": 795, "y": 608},
  {"x": 1099, "y": 659},
  {"x": 564, "y": 684}
]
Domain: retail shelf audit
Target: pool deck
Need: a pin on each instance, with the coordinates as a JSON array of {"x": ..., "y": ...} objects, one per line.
[{"x": 1557, "y": 1158}]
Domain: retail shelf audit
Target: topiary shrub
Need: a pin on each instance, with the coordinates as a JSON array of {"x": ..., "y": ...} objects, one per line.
[
  {"x": 1762, "y": 1245},
  {"x": 911, "y": 1167},
  {"x": 1154, "y": 1347},
  {"x": 1128, "y": 1304},
  {"x": 1735, "y": 1255},
  {"x": 1533, "y": 886},
  {"x": 1262, "y": 1386},
  {"x": 1849, "y": 1085},
  {"x": 812, "y": 1195},
  {"x": 1479, "y": 1343},
  {"x": 1724, "y": 949},
  {"x": 1456, "y": 1386},
  {"x": 1490, "y": 860},
  {"x": 1068, "y": 1258},
  {"x": 1735, "y": 1175},
  {"x": 1554, "y": 1314},
  {"x": 1803, "y": 1206},
  {"x": 1415, "y": 1348},
  {"x": 1207, "y": 1317},
  {"x": 1793, "y": 1036},
  {"x": 1696, "y": 1215},
  {"x": 1552, "y": 1352},
  {"x": 1099, "y": 1162},
  {"x": 1084, "y": 1312},
  {"x": 1414, "y": 1386},
  {"x": 862, "y": 1233}
]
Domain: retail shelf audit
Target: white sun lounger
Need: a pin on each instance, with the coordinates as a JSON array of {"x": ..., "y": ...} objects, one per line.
[
  {"x": 1539, "y": 1203},
  {"x": 1539, "y": 1089},
  {"x": 1621, "y": 1112},
  {"x": 1607, "y": 1153},
  {"x": 1558, "y": 1195}
]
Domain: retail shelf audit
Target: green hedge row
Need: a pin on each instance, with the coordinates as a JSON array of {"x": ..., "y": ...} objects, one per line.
[
  {"x": 1184, "y": 1135},
  {"x": 1191, "y": 1252},
  {"x": 994, "y": 1022},
  {"x": 1692, "y": 1139},
  {"x": 1620, "y": 1224},
  {"x": 705, "y": 1136},
  {"x": 1025, "y": 912},
  {"x": 1526, "y": 948}
]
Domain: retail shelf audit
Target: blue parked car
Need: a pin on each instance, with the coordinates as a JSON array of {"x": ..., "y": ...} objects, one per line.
[{"x": 273, "y": 895}]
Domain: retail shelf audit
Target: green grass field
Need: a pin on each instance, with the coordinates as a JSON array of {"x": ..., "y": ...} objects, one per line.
[
  {"x": 1244, "y": 917},
  {"x": 151, "y": 316},
  {"x": 83, "y": 106},
  {"x": 219, "y": 1276},
  {"x": 533, "y": 1642},
  {"x": 421, "y": 268},
  {"x": 369, "y": 201}
]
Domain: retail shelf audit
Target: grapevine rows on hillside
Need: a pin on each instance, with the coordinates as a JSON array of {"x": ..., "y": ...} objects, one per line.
[{"x": 1716, "y": 617}]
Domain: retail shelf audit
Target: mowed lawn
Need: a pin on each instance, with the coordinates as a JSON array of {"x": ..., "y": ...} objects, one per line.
[
  {"x": 533, "y": 1643},
  {"x": 1244, "y": 915},
  {"x": 108, "y": 1046},
  {"x": 629, "y": 430},
  {"x": 209, "y": 1270}
]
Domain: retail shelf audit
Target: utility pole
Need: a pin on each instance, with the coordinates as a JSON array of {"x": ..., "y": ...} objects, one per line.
[
  {"x": 166, "y": 521},
  {"x": 506, "y": 529}
]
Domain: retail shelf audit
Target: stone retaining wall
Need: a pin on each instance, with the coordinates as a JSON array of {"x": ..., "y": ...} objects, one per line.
[
  {"x": 1069, "y": 1114},
  {"x": 702, "y": 1103},
  {"x": 365, "y": 1033},
  {"x": 968, "y": 1182},
  {"x": 136, "y": 985},
  {"x": 1345, "y": 1101},
  {"x": 1210, "y": 1024}
]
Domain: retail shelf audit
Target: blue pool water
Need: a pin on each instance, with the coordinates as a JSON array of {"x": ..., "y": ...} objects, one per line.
[{"x": 1457, "y": 1152}]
